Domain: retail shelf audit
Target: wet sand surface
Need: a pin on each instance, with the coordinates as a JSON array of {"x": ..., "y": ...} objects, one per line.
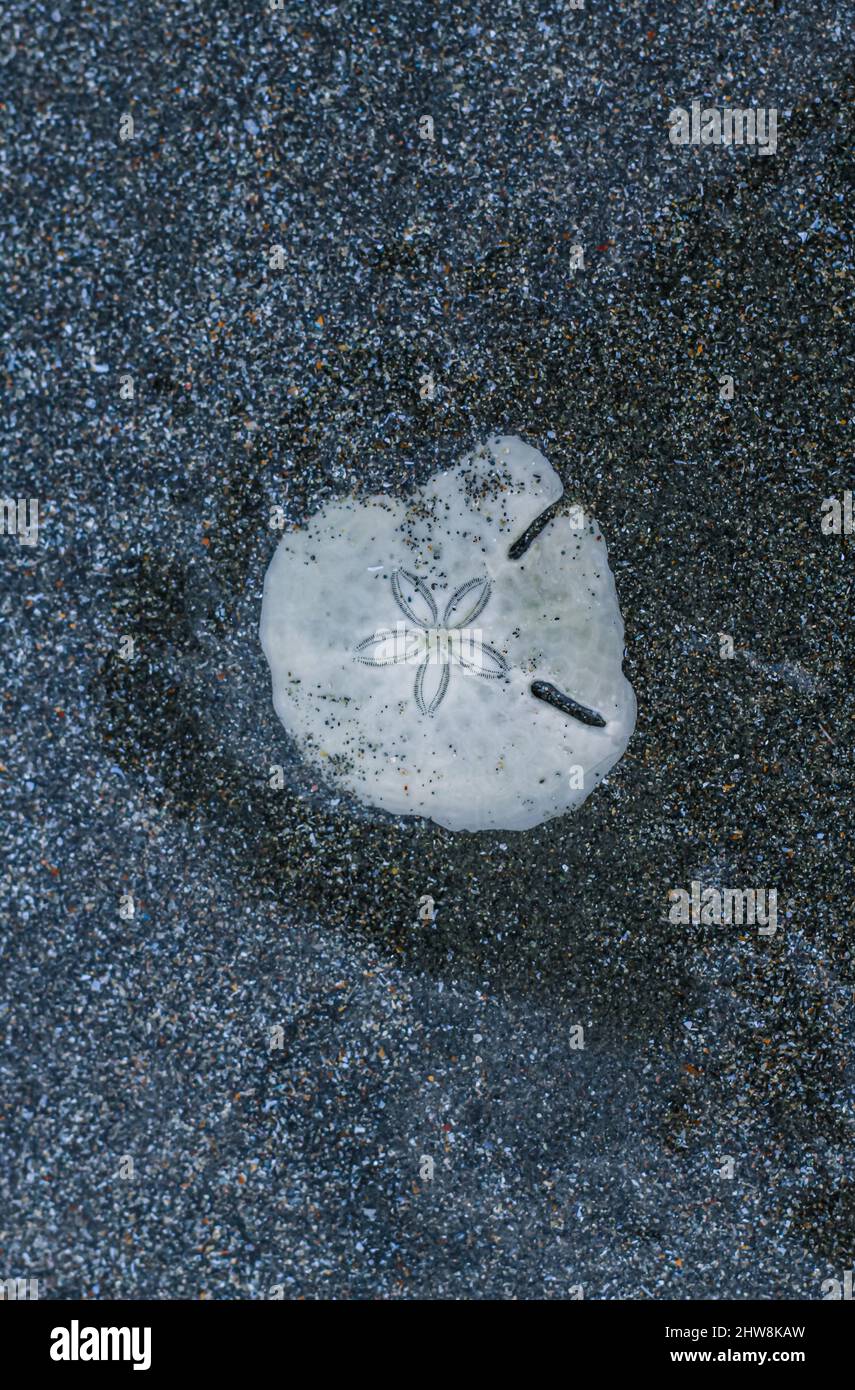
[{"x": 273, "y": 1075}]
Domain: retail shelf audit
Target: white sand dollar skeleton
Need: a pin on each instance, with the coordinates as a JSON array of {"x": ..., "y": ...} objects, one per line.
[{"x": 444, "y": 657}]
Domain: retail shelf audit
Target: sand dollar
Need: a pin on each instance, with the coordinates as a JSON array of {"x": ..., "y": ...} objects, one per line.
[{"x": 448, "y": 655}]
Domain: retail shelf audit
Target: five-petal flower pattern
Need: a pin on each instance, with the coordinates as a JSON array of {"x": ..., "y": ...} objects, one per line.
[{"x": 431, "y": 642}]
